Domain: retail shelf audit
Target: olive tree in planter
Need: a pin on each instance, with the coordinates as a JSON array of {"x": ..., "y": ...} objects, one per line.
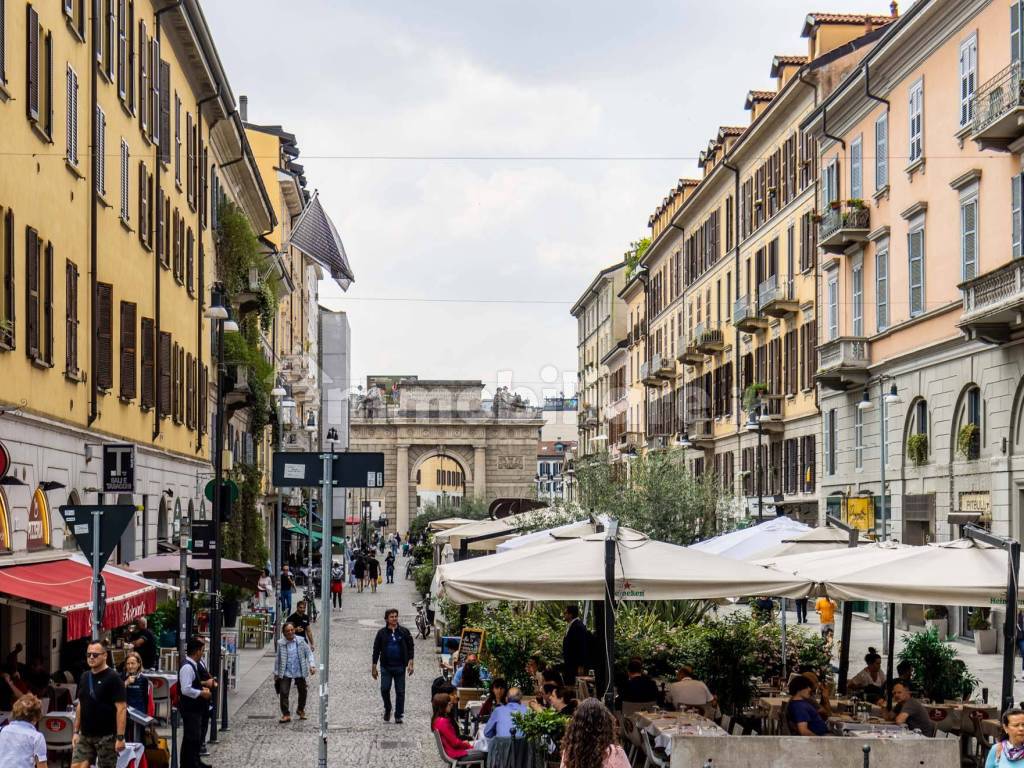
[
  {"x": 937, "y": 617},
  {"x": 985, "y": 637},
  {"x": 917, "y": 449}
]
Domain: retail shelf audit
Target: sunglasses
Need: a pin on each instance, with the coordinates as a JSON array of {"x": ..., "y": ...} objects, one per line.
[{"x": 92, "y": 655}]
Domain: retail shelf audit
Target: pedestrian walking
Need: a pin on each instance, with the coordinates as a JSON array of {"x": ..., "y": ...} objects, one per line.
[
  {"x": 21, "y": 745},
  {"x": 359, "y": 568},
  {"x": 373, "y": 571},
  {"x": 801, "y": 610},
  {"x": 389, "y": 567},
  {"x": 265, "y": 589},
  {"x": 301, "y": 621},
  {"x": 287, "y": 587},
  {"x": 294, "y": 664},
  {"x": 194, "y": 704},
  {"x": 393, "y": 648},
  {"x": 337, "y": 582},
  {"x": 101, "y": 715},
  {"x": 351, "y": 568}
]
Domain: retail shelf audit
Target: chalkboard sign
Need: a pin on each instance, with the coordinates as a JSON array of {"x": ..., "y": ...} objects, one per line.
[{"x": 472, "y": 641}]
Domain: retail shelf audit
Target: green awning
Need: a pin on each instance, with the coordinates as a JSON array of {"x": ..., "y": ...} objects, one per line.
[{"x": 301, "y": 530}]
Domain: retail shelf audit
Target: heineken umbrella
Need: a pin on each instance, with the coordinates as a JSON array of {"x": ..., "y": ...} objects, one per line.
[
  {"x": 813, "y": 540},
  {"x": 743, "y": 543},
  {"x": 495, "y": 531}
]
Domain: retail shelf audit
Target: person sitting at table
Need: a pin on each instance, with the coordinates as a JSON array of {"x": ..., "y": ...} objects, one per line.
[
  {"x": 452, "y": 693},
  {"x": 562, "y": 700},
  {"x": 819, "y": 694},
  {"x": 638, "y": 686},
  {"x": 16, "y": 686},
  {"x": 908, "y": 710},
  {"x": 137, "y": 687},
  {"x": 501, "y": 724},
  {"x": 1009, "y": 752},
  {"x": 871, "y": 679},
  {"x": 688, "y": 692},
  {"x": 471, "y": 674},
  {"x": 21, "y": 744},
  {"x": 801, "y": 713},
  {"x": 543, "y": 697},
  {"x": 497, "y": 696},
  {"x": 589, "y": 740},
  {"x": 452, "y": 744},
  {"x": 535, "y": 668}
]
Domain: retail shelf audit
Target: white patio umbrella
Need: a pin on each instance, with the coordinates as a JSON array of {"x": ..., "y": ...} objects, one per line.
[
  {"x": 448, "y": 522},
  {"x": 745, "y": 542},
  {"x": 549, "y": 536},
  {"x": 812, "y": 540},
  {"x": 644, "y": 569},
  {"x": 497, "y": 531}
]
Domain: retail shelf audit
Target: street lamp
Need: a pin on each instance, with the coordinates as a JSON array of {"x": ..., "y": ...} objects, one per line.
[
  {"x": 278, "y": 391},
  {"x": 754, "y": 425}
]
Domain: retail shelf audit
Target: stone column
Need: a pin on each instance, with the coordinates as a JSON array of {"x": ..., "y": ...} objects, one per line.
[
  {"x": 402, "y": 491},
  {"x": 480, "y": 471}
]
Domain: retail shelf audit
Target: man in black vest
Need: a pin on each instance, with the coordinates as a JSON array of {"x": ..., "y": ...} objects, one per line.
[
  {"x": 194, "y": 702},
  {"x": 208, "y": 682},
  {"x": 574, "y": 645}
]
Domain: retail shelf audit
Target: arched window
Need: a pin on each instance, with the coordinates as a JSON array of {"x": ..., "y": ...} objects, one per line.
[
  {"x": 39, "y": 521},
  {"x": 69, "y": 534},
  {"x": 5, "y": 524},
  {"x": 162, "y": 523},
  {"x": 969, "y": 429}
]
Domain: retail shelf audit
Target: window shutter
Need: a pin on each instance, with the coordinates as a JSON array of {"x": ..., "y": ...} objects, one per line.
[
  {"x": 165, "y": 112},
  {"x": 882, "y": 290},
  {"x": 175, "y": 373},
  {"x": 125, "y": 170},
  {"x": 32, "y": 293},
  {"x": 189, "y": 393},
  {"x": 122, "y": 48},
  {"x": 71, "y": 335},
  {"x": 916, "y": 252},
  {"x": 143, "y": 76},
  {"x": 32, "y": 64},
  {"x": 111, "y": 38},
  {"x": 7, "y": 327},
  {"x": 100, "y": 150},
  {"x": 97, "y": 31},
  {"x": 190, "y": 154},
  {"x": 1015, "y": 19},
  {"x": 128, "y": 350},
  {"x": 969, "y": 238},
  {"x": 882, "y": 151},
  {"x": 856, "y": 156},
  {"x": 154, "y": 97},
  {"x": 71, "y": 123},
  {"x": 47, "y": 339},
  {"x": 204, "y": 385},
  {"x": 181, "y": 384},
  {"x": 104, "y": 336},
  {"x": 148, "y": 372},
  {"x": 1015, "y": 187},
  {"x": 164, "y": 375},
  {"x": 190, "y": 248},
  {"x": 161, "y": 225},
  {"x": 3, "y": 42},
  {"x": 143, "y": 204}
]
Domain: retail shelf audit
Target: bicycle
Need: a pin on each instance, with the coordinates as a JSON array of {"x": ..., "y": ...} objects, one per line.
[
  {"x": 422, "y": 623},
  {"x": 410, "y": 568}
]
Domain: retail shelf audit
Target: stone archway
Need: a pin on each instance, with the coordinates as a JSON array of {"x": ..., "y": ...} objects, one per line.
[{"x": 440, "y": 476}]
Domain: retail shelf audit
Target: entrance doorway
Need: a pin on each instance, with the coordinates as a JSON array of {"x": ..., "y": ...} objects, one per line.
[{"x": 440, "y": 484}]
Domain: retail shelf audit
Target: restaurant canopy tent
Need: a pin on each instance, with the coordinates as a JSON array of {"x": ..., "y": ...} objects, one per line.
[
  {"x": 742, "y": 543},
  {"x": 168, "y": 567},
  {"x": 567, "y": 531},
  {"x": 448, "y": 522},
  {"x": 65, "y": 586},
  {"x": 813, "y": 540},
  {"x": 293, "y": 527},
  {"x": 482, "y": 535}
]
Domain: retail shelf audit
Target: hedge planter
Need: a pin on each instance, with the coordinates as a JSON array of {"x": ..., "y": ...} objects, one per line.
[
  {"x": 941, "y": 626},
  {"x": 986, "y": 640}
]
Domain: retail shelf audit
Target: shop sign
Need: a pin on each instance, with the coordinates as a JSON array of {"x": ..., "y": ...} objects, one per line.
[
  {"x": 860, "y": 513},
  {"x": 119, "y": 468},
  {"x": 5, "y": 460},
  {"x": 977, "y": 502}
]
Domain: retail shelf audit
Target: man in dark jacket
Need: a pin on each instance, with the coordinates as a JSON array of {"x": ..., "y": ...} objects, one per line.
[
  {"x": 574, "y": 644},
  {"x": 394, "y": 649}
]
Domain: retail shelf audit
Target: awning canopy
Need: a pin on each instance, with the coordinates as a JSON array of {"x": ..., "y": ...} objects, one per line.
[
  {"x": 301, "y": 530},
  {"x": 574, "y": 569},
  {"x": 448, "y": 522},
  {"x": 167, "y": 567},
  {"x": 66, "y": 586},
  {"x": 499, "y": 530},
  {"x": 537, "y": 538},
  {"x": 744, "y": 542},
  {"x": 813, "y": 540}
]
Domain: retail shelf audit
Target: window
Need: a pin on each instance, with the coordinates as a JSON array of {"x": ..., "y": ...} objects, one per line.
[
  {"x": 71, "y": 319},
  {"x": 1016, "y": 40},
  {"x": 110, "y": 35},
  {"x": 882, "y": 288},
  {"x": 122, "y": 49},
  {"x": 163, "y": 362},
  {"x": 33, "y": 246},
  {"x": 129, "y": 350},
  {"x": 105, "y": 336},
  {"x": 833, "y": 306},
  {"x": 882, "y": 151},
  {"x": 154, "y": 93},
  {"x": 72, "y": 116},
  {"x": 916, "y": 121},
  {"x": 39, "y": 74},
  {"x": 858, "y": 437},
  {"x": 830, "y": 441},
  {"x": 857, "y": 285},
  {"x": 125, "y": 171},
  {"x": 177, "y": 140},
  {"x": 974, "y": 417},
  {"x": 99, "y": 151},
  {"x": 829, "y": 183},
  {"x": 915, "y": 253},
  {"x": 163, "y": 101},
  {"x": 143, "y": 77},
  {"x": 856, "y": 168},
  {"x": 921, "y": 417},
  {"x": 968, "y": 238},
  {"x": 968, "y": 79},
  {"x": 147, "y": 346}
]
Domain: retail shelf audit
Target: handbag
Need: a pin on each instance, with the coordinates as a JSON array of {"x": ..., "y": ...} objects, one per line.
[{"x": 380, "y": 579}]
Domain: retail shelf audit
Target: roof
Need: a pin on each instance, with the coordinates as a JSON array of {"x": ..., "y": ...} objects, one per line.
[
  {"x": 548, "y": 447},
  {"x": 619, "y": 346},
  {"x": 731, "y": 130},
  {"x": 813, "y": 19},
  {"x": 593, "y": 284},
  {"x": 785, "y": 60},
  {"x": 314, "y": 234},
  {"x": 756, "y": 96}
]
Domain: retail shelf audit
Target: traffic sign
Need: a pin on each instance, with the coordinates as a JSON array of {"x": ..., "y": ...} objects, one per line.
[
  {"x": 306, "y": 469},
  {"x": 204, "y": 539},
  {"x": 231, "y": 484},
  {"x": 113, "y": 520},
  {"x": 119, "y": 468}
]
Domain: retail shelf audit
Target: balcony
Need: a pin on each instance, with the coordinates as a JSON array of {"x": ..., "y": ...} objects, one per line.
[
  {"x": 702, "y": 434},
  {"x": 657, "y": 370},
  {"x": 745, "y": 316},
  {"x": 839, "y": 228},
  {"x": 843, "y": 363},
  {"x": 629, "y": 441},
  {"x": 994, "y": 304},
  {"x": 688, "y": 353},
  {"x": 588, "y": 417},
  {"x": 998, "y": 107},
  {"x": 771, "y": 413},
  {"x": 775, "y": 299},
  {"x": 708, "y": 338}
]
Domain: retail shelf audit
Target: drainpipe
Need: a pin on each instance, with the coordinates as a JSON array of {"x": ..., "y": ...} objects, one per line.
[
  {"x": 824, "y": 128},
  {"x": 736, "y": 346},
  {"x": 814, "y": 256},
  {"x": 867, "y": 89},
  {"x": 94, "y": 391}
]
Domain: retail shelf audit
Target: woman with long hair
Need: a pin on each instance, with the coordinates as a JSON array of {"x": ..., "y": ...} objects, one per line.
[
  {"x": 497, "y": 696},
  {"x": 589, "y": 740},
  {"x": 452, "y": 744}
]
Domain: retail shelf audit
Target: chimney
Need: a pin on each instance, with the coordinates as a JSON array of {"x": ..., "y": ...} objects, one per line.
[
  {"x": 243, "y": 108},
  {"x": 894, "y": 9}
]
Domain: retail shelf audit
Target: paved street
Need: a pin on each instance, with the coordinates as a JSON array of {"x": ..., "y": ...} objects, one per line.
[{"x": 357, "y": 737}]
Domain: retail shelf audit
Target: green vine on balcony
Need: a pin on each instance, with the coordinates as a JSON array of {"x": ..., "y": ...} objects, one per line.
[
  {"x": 967, "y": 440},
  {"x": 238, "y": 253},
  {"x": 244, "y": 534},
  {"x": 917, "y": 449},
  {"x": 752, "y": 394}
]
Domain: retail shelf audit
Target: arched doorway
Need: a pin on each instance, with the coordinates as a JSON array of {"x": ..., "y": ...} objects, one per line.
[
  {"x": 39, "y": 521},
  {"x": 5, "y": 523},
  {"x": 70, "y": 543},
  {"x": 440, "y": 482}
]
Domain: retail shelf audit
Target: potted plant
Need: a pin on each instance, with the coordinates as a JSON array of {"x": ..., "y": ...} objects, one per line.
[
  {"x": 967, "y": 440},
  {"x": 752, "y": 394},
  {"x": 936, "y": 617},
  {"x": 835, "y": 205},
  {"x": 917, "y": 449},
  {"x": 542, "y": 729},
  {"x": 855, "y": 203},
  {"x": 985, "y": 637},
  {"x": 938, "y": 670}
]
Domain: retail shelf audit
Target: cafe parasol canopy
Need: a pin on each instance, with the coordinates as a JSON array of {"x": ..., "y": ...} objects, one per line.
[
  {"x": 744, "y": 542},
  {"x": 448, "y": 522},
  {"x": 483, "y": 535},
  {"x": 550, "y": 535},
  {"x": 809, "y": 541},
  {"x": 643, "y": 569}
]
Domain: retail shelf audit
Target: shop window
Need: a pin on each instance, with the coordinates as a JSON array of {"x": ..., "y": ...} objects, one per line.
[
  {"x": 39, "y": 521},
  {"x": 5, "y": 524}
]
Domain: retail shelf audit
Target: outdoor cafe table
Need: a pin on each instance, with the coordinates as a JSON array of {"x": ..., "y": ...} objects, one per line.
[
  {"x": 664, "y": 725},
  {"x": 959, "y": 717}
]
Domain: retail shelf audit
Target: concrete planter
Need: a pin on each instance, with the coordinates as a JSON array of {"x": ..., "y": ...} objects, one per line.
[
  {"x": 986, "y": 640},
  {"x": 940, "y": 625}
]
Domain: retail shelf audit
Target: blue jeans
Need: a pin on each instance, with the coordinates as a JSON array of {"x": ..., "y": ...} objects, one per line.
[
  {"x": 286, "y": 604},
  {"x": 387, "y": 676}
]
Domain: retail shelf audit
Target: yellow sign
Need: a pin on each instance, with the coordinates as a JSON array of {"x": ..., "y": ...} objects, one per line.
[
  {"x": 860, "y": 513},
  {"x": 976, "y": 501}
]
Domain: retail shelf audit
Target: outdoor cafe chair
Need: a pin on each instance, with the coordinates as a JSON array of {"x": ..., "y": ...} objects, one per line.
[
  {"x": 632, "y": 707},
  {"x": 636, "y": 744},
  {"x": 656, "y": 758},
  {"x": 454, "y": 762},
  {"x": 58, "y": 730}
]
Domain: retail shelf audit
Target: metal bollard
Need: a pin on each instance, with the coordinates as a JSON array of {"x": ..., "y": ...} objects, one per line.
[
  {"x": 707, "y": 763},
  {"x": 867, "y": 756},
  {"x": 174, "y": 737},
  {"x": 224, "y": 696}
]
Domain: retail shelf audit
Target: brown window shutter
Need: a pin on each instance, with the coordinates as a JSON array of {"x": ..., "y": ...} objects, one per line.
[
  {"x": 190, "y": 153},
  {"x": 143, "y": 203},
  {"x": 189, "y": 400},
  {"x": 47, "y": 341},
  {"x": 32, "y": 293},
  {"x": 69, "y": 327},
  {"x": 174, "y": 382},
  {"x": 143, "y": 76},
  {"x": 32, "y": 64},
  {"x": 181, "y": 385},
  {"x": 104, "y": 335},
  {"x": 161, "y": 251},
  {"x": 164, "y": 375},
  {"x": 148, "y": 343},
  {"x": 204, "y": 386},
  {"x": 7, "y": 320},
  {"x": 190, "y": 241},
  {"x": 128, "y": 350},
  {"x": 154, "y": 92},
  {"x": 165, "y": 112},
  {"x": 122, "y": 48}
]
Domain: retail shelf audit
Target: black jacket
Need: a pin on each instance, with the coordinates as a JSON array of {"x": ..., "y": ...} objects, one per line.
[
  {"x": 575, "y": 646},
  {"x": 407, "y": 646}
]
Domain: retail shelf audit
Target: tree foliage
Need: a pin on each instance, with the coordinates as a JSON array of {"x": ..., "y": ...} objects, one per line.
[
  {"x": 244, "y": 536},
  {"x": 636, "y": 252}
]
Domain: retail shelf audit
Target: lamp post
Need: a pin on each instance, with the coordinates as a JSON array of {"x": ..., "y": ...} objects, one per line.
[
  {"x": 311, "y": 429},
  {"x": 754, "y": 425},
  {"x": 327, "y": 510},
  {"x": 217, "y": 312}
]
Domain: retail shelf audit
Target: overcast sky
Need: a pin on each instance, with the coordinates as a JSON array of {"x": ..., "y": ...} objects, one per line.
[{"x": 440, "y": 136}]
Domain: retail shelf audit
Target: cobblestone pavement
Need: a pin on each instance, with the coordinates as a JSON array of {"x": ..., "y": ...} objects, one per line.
[{"x": 357, "y": 735}]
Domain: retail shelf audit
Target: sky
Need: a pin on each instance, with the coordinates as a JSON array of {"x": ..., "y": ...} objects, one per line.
[{"x": 482, "y": 160}]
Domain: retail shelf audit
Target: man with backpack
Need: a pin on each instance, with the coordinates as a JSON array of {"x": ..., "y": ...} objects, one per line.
[
  {"x": 101, "y": 715},
  {"x": 193, "y": 704}
]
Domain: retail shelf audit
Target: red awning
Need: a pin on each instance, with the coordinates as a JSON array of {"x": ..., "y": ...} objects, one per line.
[{"x": 66, "y": 586}]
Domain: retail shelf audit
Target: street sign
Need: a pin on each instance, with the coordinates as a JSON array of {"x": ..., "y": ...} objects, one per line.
[
  {"x": 5, "y": 460},
  {"x": 113, "y": 520},
  {"x": 119, "y": 468},
  {"x": 229, "y": 483},
  {"x": 351, "y": 470},
  {"x": 204, "y": 539}
]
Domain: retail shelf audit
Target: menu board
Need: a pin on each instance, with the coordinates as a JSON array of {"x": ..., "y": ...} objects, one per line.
[{"x": 471, "y": 641}]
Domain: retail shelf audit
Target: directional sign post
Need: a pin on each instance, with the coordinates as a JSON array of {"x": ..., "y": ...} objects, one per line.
[{"x": 97, "y": 529}]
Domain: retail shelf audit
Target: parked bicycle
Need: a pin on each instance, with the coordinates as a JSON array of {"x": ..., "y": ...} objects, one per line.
[
  {"x": 423, "y": 625},
  {"x": 410, "y": 568}
]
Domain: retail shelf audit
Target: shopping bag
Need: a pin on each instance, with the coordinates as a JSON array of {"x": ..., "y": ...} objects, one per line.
[{"x": 380, "y": 579}]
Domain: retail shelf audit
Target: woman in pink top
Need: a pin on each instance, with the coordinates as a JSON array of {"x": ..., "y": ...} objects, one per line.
[
  {"x": 589, "y": 740},
  {"x": 453, "y": 746}
]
